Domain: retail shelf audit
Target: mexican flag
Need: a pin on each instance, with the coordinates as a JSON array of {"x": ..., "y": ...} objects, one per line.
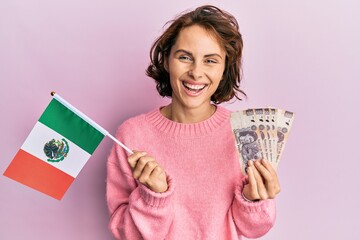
[{"x": 56, "y": 149}]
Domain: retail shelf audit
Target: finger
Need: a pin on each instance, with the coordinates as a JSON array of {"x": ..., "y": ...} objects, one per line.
[
  {"x": 264, "y": 172},
  {"x": 259, "y": 183},
  {"x": 140, "y": 165},
  {"x": 157, "y": 172},
  {"x": 133, "y": 158},
  {"x": 269, "y": 178},
  {"x": 251, "y": 177},
  {"x": 146, "y": 172},
  {"x": 274, "y": 188},
  {"x": 252, "y": 192},
  {"x": 268, "y": 166},
  {"x": 273, "y": 172},
  {"x": 158, "y": 180}
]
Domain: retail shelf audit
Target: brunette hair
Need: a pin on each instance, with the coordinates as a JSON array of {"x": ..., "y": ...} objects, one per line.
[{"x": 224, "y": 27}]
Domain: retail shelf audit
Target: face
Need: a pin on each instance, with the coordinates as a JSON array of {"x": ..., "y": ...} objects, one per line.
[
  {"x": 248, "y": 139},
  {"x": 196, "y": 64}
]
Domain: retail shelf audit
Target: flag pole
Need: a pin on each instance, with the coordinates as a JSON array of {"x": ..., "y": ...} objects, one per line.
[
  {"x": 88, "y": 120},
  {"x": 120, "y": 143}
]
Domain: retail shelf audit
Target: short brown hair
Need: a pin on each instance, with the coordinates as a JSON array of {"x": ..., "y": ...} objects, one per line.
[{"x": 226, "y": 29}]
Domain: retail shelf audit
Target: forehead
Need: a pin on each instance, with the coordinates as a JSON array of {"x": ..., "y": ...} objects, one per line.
[{"x": 198, "y": 39}]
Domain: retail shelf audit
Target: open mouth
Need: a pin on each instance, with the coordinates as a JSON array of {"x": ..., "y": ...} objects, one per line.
[{"x": 194, "y": 88}]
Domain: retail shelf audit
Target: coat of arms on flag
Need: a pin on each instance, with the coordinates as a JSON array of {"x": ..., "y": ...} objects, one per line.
[{"x": 57, "y": 148}]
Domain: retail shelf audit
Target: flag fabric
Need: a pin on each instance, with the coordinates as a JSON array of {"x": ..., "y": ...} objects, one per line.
[{"x": 56, "y": 149}]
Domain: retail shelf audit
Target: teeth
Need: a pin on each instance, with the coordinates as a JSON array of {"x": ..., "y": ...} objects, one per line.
[{"x": 194, "y": 87}]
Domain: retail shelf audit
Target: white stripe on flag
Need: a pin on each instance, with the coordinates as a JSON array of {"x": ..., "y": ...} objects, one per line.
[{"x": 40, "y": 135}]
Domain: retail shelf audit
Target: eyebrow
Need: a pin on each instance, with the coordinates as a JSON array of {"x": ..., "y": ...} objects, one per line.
[{"x": 189, "y": 53}]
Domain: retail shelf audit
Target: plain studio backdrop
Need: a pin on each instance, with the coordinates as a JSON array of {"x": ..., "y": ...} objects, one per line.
[{"x": 303, "y": 56}]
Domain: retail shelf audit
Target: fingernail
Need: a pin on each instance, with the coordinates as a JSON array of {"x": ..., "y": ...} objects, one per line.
[{"x": 250, "y": 163}]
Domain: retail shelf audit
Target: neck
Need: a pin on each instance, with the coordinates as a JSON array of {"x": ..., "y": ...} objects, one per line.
[{"x": 192, "y": 115}]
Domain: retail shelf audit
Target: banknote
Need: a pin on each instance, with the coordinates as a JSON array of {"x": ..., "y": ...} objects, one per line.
[
  {"x": 261, "y": 133},
  {"x": 274, "y": 139},
  {"x": 264, "y": 135},
  {"x": 247, "y": 136},
  {"x": 271, "y": 135},
  {"x": 284, "y": 123}
]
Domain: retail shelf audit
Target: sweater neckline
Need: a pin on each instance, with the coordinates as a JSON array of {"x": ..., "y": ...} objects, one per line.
[{"x": 219, "y": 118}]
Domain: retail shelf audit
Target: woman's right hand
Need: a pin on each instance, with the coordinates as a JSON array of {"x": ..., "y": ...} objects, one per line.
[
  {"x": 148, "y": 172},
  {"x": 263, "y": 181}
]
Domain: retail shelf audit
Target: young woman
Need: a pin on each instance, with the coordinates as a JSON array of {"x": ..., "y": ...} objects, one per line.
[{"x": 184, "y": 179}]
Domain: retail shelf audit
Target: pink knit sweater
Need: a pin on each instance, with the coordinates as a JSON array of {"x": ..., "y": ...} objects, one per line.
[{"x": 204, "y": 197}]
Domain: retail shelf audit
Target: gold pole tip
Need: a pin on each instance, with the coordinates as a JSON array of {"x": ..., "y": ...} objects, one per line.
[{"x": 52, "y": 93}]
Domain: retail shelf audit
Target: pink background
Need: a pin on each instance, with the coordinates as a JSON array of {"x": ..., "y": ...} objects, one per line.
[{"x": 299, "y": 55}]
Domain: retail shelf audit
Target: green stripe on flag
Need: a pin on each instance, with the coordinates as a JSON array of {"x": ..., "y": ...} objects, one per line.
[{"x": 71, "y": 126}]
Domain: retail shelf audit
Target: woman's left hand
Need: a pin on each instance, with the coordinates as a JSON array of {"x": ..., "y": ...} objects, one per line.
[{"x": 263, "y": 181}]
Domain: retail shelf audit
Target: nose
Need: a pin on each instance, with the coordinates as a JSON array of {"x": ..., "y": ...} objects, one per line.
[{"x": 196, "y": 71}]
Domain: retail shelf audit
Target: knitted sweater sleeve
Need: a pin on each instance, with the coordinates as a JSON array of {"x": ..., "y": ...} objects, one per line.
[
  {"x": 136, "y": 212},
  {"x": 252, "y": 219}
]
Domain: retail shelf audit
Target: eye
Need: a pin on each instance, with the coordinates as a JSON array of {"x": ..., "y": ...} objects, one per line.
[
  {"x": 211, "y": 60},
  {"x": 185, "y": 58}
]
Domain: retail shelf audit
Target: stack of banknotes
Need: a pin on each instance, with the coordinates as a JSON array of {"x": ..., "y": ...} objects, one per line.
[{"x": 261, "y": 133}]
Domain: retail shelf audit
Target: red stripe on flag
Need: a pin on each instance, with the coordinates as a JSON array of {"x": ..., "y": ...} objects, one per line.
[{"x": 35, "y": 173}]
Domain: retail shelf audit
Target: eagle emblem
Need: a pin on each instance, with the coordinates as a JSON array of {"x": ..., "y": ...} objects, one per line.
[{"x": 56, "y": 150}]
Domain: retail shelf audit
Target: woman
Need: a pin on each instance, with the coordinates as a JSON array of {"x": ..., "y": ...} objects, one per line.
[{"x": 188, "y": 183}]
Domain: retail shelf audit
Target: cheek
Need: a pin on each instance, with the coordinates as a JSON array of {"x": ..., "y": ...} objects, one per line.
[
  {"x": 217, "y": 77},
  {"x": 174, "y": 79},
  {"x": 175, "y": 69},
  {"x": 218, "y": 73}
]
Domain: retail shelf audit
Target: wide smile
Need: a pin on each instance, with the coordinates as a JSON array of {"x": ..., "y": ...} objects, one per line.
[{"x": 193, "y": 89}]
